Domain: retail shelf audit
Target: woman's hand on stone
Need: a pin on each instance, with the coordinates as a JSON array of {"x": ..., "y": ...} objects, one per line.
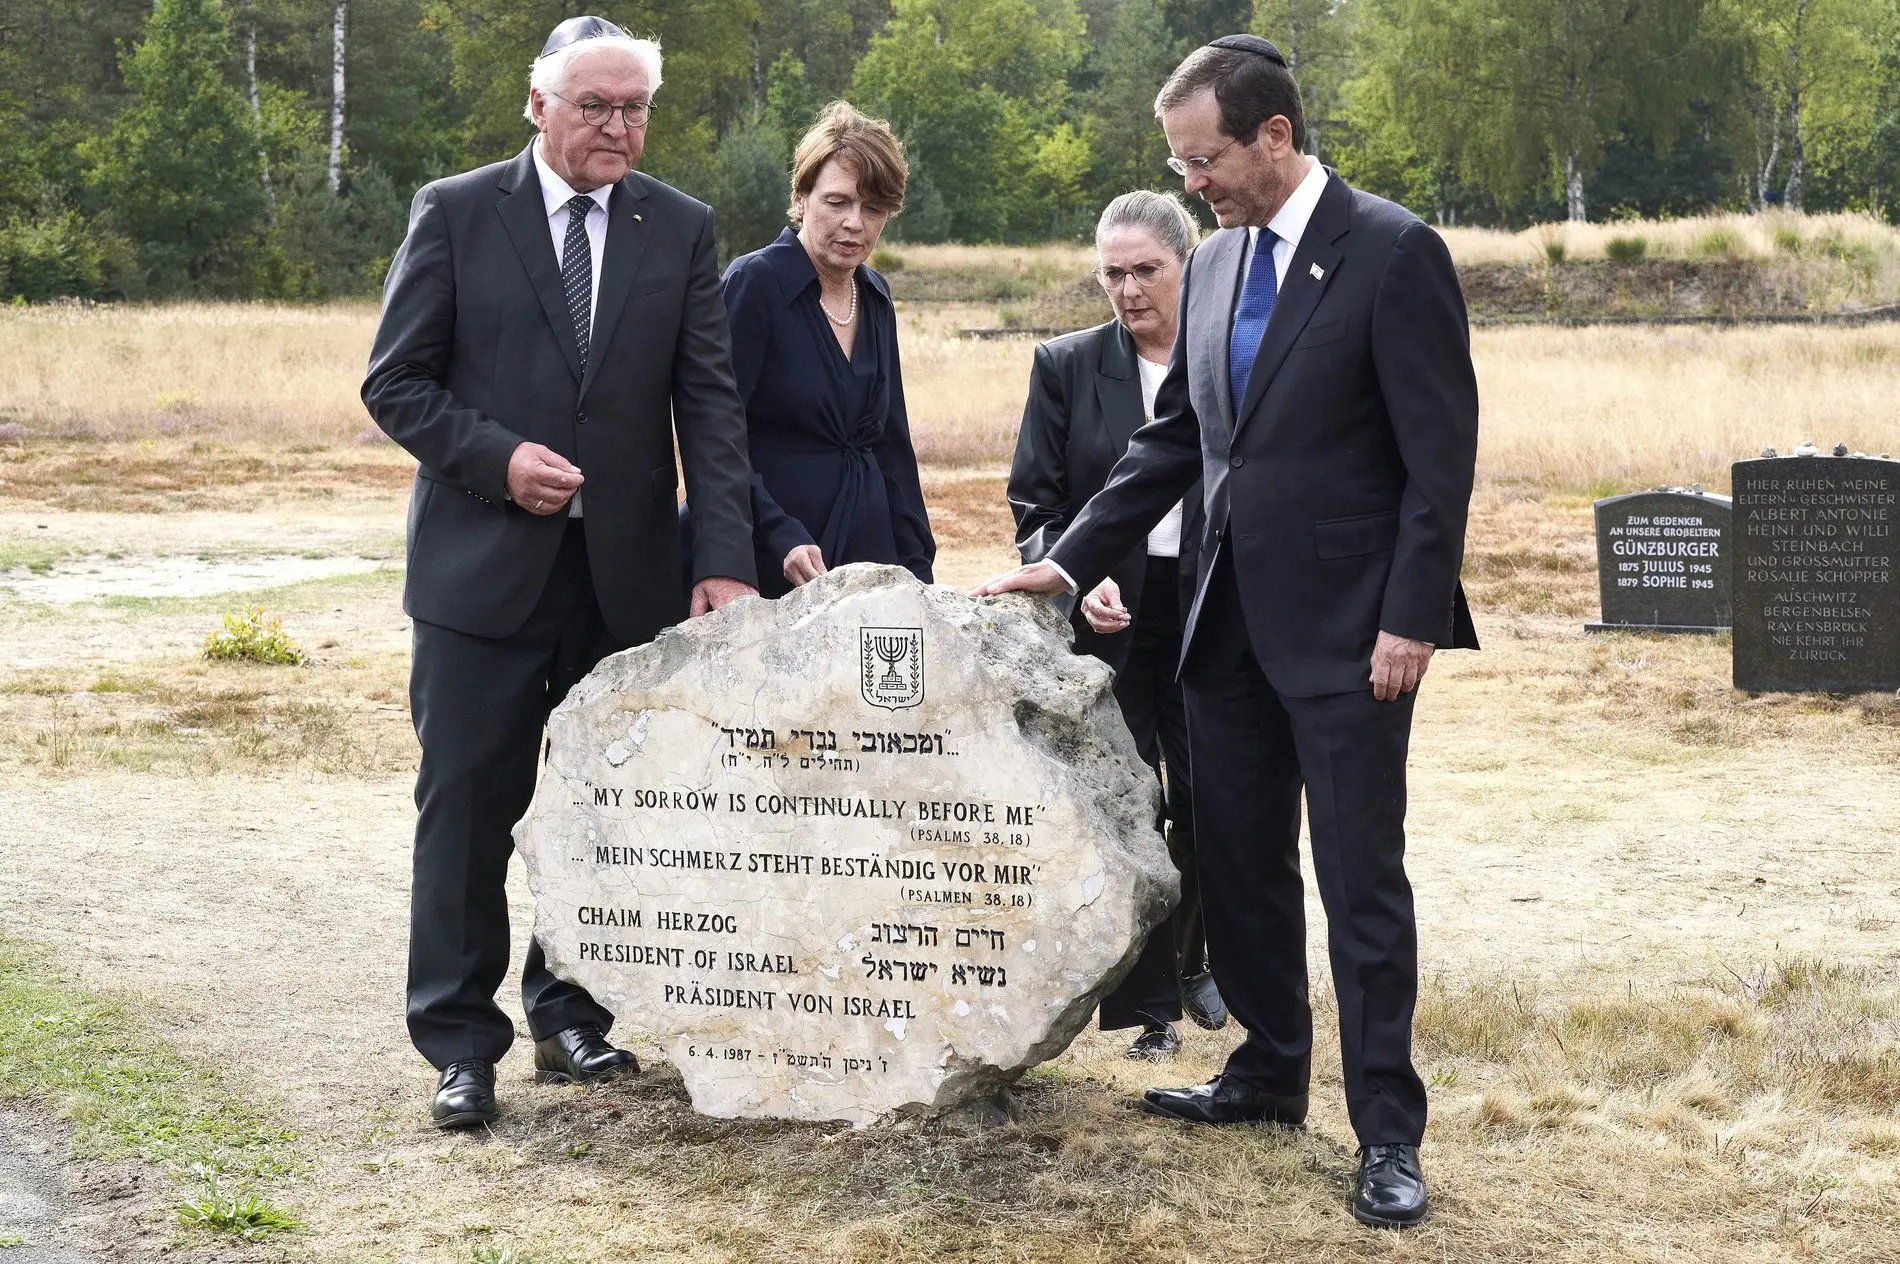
[{"x": 804, "y": 564}]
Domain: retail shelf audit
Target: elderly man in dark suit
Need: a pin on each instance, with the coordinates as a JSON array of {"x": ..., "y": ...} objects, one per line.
[
  {"x": 1322, "y": 387},
  {"x": 551, "y": 326}
]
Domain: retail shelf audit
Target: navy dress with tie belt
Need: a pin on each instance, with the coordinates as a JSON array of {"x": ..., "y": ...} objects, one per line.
[{"x": 832, "y": 462}]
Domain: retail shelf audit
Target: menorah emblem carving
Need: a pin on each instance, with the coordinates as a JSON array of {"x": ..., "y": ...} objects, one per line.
[
  {"x": 893, "y": 650},
  {"x": 891, "y": 666}
]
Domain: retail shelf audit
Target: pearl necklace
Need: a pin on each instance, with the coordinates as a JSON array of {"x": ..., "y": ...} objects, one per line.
[{"x": 849, "y": 317}]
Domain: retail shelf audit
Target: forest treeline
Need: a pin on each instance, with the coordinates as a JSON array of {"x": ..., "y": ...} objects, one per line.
[{"x": 269, "y": 148}]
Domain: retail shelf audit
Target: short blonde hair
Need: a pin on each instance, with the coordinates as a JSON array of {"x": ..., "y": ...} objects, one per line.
[{"x": 866, "y": 144}]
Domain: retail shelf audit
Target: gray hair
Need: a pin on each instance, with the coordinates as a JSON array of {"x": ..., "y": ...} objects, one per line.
[
  {"x": 549, "y": 74},
  {"x": 1164, "y": 216}
]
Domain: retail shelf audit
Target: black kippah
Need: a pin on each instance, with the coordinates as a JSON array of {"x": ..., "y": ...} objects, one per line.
[
  {"x": 1251, "y": 44},
  {"x": 574, "y": 30}
]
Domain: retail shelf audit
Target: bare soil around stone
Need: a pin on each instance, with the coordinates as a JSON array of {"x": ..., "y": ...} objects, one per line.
[{"x": 1660, "y": 918}]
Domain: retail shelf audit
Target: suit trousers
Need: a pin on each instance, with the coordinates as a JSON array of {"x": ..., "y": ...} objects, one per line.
[
  {"x": 1152, "y": 705},
  {"x": 1254, "y": 751},
  {"x": 480, "y": 706}
]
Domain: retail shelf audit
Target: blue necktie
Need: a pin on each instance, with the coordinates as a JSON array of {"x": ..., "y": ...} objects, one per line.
[{"x": 1251, "y": 317}]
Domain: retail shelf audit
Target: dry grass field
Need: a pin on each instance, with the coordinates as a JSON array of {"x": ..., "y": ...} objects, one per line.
[
  {"x": 1769, "y": 236},
  {"x": 120, "y": 396},
  {"x": 1661, "y": 923}
]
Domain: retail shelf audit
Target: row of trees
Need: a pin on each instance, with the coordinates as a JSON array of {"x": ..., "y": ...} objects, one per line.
[{"x": 268, "y": 147}]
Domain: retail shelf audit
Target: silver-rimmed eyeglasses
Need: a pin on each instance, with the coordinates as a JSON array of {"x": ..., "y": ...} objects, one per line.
[
  {"x": 1145, "y": 274},
  {"x": 596, "y": 113},
  {"x": 1181, "y": 166}
]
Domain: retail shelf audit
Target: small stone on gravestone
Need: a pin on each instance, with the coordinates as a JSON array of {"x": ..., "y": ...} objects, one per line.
[
  {"x": 869, "y": 849},
  {"x": 1817, "y": 590},
  {"x": 1663, "y": 561}
]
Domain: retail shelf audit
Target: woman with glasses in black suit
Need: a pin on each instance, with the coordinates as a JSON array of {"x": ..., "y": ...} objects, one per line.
[{"x": 1088, "y": 393}]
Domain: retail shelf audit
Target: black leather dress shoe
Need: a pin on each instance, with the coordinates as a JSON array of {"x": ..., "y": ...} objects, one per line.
[
  {"x": 1226, "y": 1101},
  {"x": 465, "y": 1095},
  {"x": 1157, "y": 1042},
  {"x": 1201, "y": 999},
  {"x": 577, "y": 1055},
  {"x": 1391, "y": 1193}
]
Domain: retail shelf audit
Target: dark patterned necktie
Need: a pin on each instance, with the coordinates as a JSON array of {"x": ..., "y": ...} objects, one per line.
[
  {"x": 1251, "y": 317},
  {"x": 577, "y": 271}
]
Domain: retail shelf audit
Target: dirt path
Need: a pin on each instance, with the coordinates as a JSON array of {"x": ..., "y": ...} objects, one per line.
[
  {"x": 35, "y": 1220},
  {"x": 1567, "y": 832}
]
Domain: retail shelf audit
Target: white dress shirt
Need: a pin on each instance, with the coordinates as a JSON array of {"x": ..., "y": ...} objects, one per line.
[
  {"x": 1289, "y": 225},
  {"x": 1165, "y": 539},
  {"x": 555, "y": 193}
]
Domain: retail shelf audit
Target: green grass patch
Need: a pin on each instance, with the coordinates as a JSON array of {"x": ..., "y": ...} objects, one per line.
[
  {"x": 250, "y": 635},
  {"x": 298, "y": 598},
  {"x": 1626, "y": 249},
  {"x": 1721, "y": 243},
  {"x": 37, "y": 556},
  {"x": 128, "y": 1094},
  {"x": 247, "y": 1216}
]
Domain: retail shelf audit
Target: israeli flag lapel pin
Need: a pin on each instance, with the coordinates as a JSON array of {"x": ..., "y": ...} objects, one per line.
[{"x": 1319, "y": 273}]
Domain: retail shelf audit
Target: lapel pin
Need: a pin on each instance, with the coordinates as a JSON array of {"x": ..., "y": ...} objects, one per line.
[
  {"x": 1319, "y": 273},
  {"x": 638, "y": 220}
]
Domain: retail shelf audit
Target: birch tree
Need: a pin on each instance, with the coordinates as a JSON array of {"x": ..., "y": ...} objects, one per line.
[
  {"x": 338, "y": 93},
  {"x": 1809, "y": 55}
]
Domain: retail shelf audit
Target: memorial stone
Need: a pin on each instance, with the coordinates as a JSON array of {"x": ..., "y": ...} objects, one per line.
[
  {"x": 1663, "y": 561},
  {"x": 1817, "y": 593},
  {"x": 874, "y": 848}
]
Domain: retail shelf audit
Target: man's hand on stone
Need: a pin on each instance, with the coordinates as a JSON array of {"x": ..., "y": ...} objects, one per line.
[
  {"x": 1398, "y": 664},
  {"x": 716, "y": 592},
  {"x": 1104, "y": 610},
  {"x": 804, "y": 564},
  {"x": 1037, "y": 577},
  {"x": 541, "y": 480}
]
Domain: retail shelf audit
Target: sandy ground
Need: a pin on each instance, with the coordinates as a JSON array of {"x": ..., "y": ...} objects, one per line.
[{"x": 1557, "y": 839}]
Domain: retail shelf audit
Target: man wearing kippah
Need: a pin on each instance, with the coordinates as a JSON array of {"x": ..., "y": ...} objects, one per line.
[
  {"x": 1321, "y": 387},
  {"x": 543, "y": 403}
]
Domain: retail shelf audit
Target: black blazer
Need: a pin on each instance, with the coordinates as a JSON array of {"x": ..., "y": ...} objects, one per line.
[
  {"x": 475, "y": 353},
  {"x": 832, "y": 461},
  {"x": 1084, "y": 405},
  {"x": 1342, "y": 480}
]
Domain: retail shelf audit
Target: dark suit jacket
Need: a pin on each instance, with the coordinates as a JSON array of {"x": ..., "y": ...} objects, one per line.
[
  {"x": 1342, "y": 480},
  {"x": 832, "y": 461},
  {"x": 1084, "y": 405},
  {"x": 476, "y": 353}
]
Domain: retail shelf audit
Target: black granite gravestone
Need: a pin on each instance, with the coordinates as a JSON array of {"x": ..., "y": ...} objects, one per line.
[
  {"x": 1662, "y": 561},
  {"x": 1817, "y": 589}
]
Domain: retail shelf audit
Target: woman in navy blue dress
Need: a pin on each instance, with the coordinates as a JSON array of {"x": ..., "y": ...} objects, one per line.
[{"x": 814, "y": 348}]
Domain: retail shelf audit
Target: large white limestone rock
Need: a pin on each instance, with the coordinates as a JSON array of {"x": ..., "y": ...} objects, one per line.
[{"x": 875, "y": 847}]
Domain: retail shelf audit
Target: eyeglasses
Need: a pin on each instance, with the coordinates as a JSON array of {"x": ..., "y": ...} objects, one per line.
[
  {"x": 1181, "y": 166},
  {"x": 1145, "y": 274},
  {"x": 596, "y": 113}
]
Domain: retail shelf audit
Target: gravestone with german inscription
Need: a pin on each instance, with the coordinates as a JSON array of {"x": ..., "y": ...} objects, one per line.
[
  {"x": 1817, "y": 587},
  {"x": 1663, "y": 561},
  {"x": 874, "y": 848}
]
